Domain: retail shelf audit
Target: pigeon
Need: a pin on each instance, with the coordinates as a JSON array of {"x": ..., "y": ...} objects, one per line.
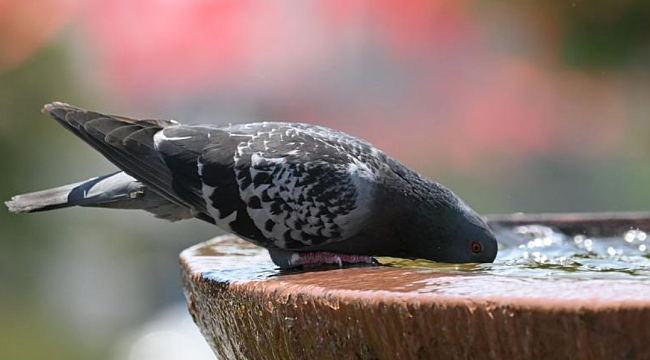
[{"x": 308, "y": 194}]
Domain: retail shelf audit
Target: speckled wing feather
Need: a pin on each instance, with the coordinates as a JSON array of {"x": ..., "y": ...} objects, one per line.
[{"x": 299, "y": 185}]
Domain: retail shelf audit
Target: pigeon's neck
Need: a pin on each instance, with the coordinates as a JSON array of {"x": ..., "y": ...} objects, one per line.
[
  {"x": 418, "y": 206},
  {"x": 419, "y": 193}
]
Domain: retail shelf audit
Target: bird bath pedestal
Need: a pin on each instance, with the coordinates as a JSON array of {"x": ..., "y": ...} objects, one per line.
[{"x": 247, "y": 309}]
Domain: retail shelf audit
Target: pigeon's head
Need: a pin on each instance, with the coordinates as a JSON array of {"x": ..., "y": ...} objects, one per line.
[
  {"x": 450, "y": 231},
  {"x": 472, "y": 241}
]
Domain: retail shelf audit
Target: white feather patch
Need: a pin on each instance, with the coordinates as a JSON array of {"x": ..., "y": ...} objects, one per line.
[{"x": 159, "y": 137}]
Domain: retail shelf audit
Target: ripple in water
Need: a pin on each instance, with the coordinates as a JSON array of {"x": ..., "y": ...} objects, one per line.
[{"x": 540, "y": 251}]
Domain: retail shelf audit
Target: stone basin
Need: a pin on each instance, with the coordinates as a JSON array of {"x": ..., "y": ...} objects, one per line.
[{"x": 248, "y": 309}]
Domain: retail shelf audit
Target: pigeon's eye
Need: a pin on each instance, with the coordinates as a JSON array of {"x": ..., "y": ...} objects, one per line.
[{"x": 476, "y": 247}]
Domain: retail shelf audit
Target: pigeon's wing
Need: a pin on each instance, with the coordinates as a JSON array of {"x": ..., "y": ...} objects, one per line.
[
  {"x": 131, "y": 145},
  {"x": 299, "y": 186},
  {"x": 201, "y": 159}
]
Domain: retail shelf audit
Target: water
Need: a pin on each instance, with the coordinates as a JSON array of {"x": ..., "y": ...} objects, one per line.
[
  {"x": 540, "y": 252},
  {"x": 534, "y": 263},
  {"x": 530, "y": 251}
]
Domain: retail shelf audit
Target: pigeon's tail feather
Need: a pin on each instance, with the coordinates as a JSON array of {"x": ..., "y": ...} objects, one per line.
[
  {"x": 41, "y": 200},
  {"x": 98, "y": 191},
  {"x": 117, "y": 190}
]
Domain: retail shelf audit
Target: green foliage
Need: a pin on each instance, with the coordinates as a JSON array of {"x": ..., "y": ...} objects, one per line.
[
  {"x": 601, "y": 34},
  {"x": 28, "y": 331}
]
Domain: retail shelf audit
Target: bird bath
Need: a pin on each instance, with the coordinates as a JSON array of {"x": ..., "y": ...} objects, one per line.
[{"x": 563, "y": 286}]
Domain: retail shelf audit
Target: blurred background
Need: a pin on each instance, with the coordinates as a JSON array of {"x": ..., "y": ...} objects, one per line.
[{"x": 535, "y": 106}]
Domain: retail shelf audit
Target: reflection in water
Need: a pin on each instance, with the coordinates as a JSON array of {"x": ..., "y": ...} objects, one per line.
[{"x": 539, "y": 251}]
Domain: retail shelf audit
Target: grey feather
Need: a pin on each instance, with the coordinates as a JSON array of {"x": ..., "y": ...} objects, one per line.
[
  {"x": 86, "y": 125},
  {"x": 117, "y": 190}
]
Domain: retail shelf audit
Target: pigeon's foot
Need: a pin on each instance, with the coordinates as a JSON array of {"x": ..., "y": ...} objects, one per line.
[
  {"x": 288, "y": 259},
  {"x": 322, "y": 258}
]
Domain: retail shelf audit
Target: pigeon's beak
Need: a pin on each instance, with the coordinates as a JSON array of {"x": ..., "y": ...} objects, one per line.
[{"x": 491, "y": 250}]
